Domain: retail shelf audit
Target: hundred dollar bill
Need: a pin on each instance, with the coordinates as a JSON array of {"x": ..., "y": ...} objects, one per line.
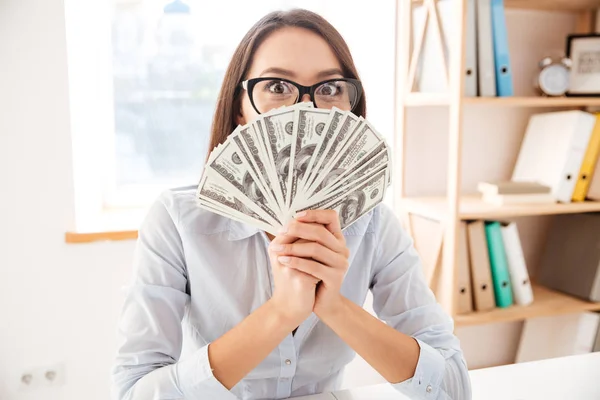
[
  {"x": 360, "y": 198},
  {"x": 377, "y": 158},
  {"x": 217, "y": 198},
  {"x": 235, "y": 216},
  {"x": 278, "y": 128},
  {"x": 331, "y": 144},
  {"x": 322, "y": 199},
  {"x": 363, "y": 141},
  {"x": 321, "y": 138},
  {"x": 231, "y": 167},
  {"x": 343, "y": 188},
  {"x": 261, "y": 137},
  {"x": 270, "y": 152},
  {"x": 310, "y": 124},
  {"x": 246, "y": 141}
]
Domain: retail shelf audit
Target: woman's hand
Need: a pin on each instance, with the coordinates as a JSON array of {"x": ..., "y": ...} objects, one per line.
[
  {"x": 294, "y": 293},
  {"x": 321, "y": 252}
]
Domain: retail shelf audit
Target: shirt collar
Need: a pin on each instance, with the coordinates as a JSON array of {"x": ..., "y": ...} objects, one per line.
[
  {"x": 361, "y": 226},
  {"x": 240, "y": 230}
]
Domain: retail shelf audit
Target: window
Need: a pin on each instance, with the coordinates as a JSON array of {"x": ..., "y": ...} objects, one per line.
[{"x": 152, "y": 74}]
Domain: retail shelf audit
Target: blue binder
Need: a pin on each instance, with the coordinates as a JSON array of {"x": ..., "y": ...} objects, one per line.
[{"x": 504, "y": 85}]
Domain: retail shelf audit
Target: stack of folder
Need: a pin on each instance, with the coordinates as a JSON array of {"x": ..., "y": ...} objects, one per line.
[
  {"x": 492, "y": 271},
  {"x": 511, "y": 192},
  {"x": 487, "y": 65},
  {"x": 560, "y": 150}
]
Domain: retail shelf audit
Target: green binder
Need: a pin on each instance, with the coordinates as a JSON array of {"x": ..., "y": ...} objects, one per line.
[{"x": 499, "y": 265}]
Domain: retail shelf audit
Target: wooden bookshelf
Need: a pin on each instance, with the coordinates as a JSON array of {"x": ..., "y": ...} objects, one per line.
[
  {"x": 430, "y": 99},
  {"x": 546, "y": 303},
  {"x": 455, "y": 207},
  {"x": 473, "y": 207}
]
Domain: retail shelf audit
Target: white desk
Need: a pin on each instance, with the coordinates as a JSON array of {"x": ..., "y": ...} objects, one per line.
[{"x": 575, "y": 377}]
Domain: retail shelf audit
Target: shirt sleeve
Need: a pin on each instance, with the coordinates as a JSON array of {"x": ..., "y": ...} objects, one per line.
[
  {"x": 402, "y": 299},
  {"x": 147, "y": 364}
]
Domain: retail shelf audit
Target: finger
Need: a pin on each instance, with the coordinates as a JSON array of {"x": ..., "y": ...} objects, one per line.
[
  {"x": 308, "y": 278},
  {"x": 329, "y": 218},
  {"x": 283, "y": 239},
  {"x": 286, "y": 238},
  {"x": 315, "y": 233},
  {"x": 307, "y": 266},
  {"x": 313, "y": 250}
]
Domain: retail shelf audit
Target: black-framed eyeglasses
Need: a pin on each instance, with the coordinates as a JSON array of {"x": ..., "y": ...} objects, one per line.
[{"x": 268, "y": 93}]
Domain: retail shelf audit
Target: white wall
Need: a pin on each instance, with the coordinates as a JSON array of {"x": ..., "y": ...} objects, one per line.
[{"x": 58, "y": 302}]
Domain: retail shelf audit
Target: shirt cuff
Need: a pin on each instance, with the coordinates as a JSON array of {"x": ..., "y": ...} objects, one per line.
[
  {"x": 429, "y": 374},
  {"x": 196, "y": 379}
]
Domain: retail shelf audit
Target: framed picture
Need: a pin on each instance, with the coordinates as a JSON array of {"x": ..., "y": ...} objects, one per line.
[{"x": 584, "y": 53}]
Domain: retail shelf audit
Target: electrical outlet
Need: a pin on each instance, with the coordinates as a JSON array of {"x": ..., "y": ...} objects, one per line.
[
  {"x": 43, "y": 377},
  {"x": 53, "y": 375},
  {"x": 28, "y": 381}
]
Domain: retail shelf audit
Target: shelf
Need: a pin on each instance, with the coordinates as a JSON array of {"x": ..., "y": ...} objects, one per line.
[
  {"x": 554, "y": 5},
  {"x": 442, "y": 99},
  {"x": 546, "y": 302},
  {"x": 472, "y": 207},
  {"x": 534, "y": 101}
]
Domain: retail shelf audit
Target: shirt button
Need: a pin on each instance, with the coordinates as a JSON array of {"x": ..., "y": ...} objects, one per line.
[
  {"x": 429, "y": 389},
  {"x": 288, "y": 362}
]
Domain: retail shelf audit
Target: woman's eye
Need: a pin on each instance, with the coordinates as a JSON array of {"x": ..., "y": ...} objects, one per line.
[
  {"x": 330, "y": 89},
  {"x": 278, "y": 87}
]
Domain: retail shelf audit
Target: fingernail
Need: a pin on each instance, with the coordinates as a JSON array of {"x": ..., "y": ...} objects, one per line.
[
  {"x": 277, "y": 247},
  {"x": 283, "y": 259},
  {"x": 300, "y": 214},
  {"x": 283, "y": 230}
]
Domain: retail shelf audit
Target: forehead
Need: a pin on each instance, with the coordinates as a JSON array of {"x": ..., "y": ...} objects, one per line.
[{"x": 298, "y": 50}]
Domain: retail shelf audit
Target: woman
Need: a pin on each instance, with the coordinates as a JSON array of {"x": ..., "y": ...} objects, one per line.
[{"x": 272, "y": 317}]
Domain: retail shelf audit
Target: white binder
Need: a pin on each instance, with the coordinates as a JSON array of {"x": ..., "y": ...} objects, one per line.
[
  {"x": 553, "y": 149},
  {"x": 485, "y": 49},
  {"x": 471, "y": 51},
  {"x": 519, "y": 277}
]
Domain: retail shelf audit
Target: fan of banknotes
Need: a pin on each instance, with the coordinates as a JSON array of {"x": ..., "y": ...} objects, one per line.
[{"x": 296, "y": 158}]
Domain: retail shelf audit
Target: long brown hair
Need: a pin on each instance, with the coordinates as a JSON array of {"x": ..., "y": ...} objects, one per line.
[{"x": 228, "y": 102}]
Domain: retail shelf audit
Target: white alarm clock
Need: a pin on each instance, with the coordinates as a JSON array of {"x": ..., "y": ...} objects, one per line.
[{"x": 553, "y": 78}]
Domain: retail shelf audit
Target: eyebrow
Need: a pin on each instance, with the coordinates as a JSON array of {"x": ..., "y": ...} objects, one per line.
[
  {"x": 329, "y": 72},
  {"x": 290, "y": 74}
]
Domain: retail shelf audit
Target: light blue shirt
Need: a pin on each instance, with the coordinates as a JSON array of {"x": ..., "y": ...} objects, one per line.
[{"x": 198, "y": 274}]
